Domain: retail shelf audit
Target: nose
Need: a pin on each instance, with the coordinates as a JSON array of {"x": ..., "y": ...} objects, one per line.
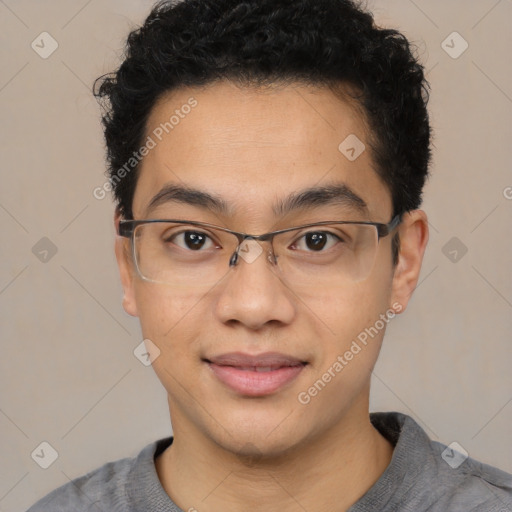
[{"x": 253, "y": 293}]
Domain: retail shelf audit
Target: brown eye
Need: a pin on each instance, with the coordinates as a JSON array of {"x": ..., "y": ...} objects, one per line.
[
  {"x": 192, "y": 240},
  {"x": 316, "y": 241}
]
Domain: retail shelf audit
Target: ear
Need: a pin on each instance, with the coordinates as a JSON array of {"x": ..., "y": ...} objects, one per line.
[
  {"x": 126, "y": 269},
  {"x": 413, "y": 232}
]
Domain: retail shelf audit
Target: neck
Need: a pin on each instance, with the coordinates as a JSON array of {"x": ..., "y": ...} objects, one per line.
[{"x": 330, "y": 471}]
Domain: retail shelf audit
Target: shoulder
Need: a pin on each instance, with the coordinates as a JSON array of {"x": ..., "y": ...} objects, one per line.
[
  {"x": 429, "y": 475},
  {"x": 105, "y": 488},
  {"x": 463, "y": 481},
  {"x": 103, "y": 485}
]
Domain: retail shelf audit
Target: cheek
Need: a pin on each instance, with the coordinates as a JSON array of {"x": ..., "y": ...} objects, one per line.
[
  {"x": 173, "y": 321},
  {"x": 353, "y": 329},
  {"x": 340, "y": 314},
  {"x": 170, "y": 319},
  {"x": 350, "y": 327}
]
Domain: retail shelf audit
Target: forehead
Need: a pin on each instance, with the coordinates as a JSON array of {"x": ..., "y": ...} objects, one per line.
[{"x": 253, "y": 147}]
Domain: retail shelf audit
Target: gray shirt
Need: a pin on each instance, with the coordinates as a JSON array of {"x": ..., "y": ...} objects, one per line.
[{"x": 423, "y": 475}]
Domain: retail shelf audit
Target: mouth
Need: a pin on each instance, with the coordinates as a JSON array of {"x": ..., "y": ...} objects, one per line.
[{"x": 258, "y": 375}]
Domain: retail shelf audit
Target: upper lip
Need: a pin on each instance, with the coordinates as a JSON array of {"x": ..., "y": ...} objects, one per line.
[{"x": 240, "y": 359}]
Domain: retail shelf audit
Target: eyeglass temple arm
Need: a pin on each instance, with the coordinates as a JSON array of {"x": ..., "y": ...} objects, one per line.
[
  {"x": 125, "y": 228},
  {"x": 385, "y": 229}
]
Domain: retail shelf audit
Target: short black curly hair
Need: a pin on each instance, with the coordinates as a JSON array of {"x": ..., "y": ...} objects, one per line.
[{"x": 257, "y": 42}]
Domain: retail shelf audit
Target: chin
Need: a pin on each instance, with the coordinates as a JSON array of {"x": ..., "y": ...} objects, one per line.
[{"x": 259, "y": 436}]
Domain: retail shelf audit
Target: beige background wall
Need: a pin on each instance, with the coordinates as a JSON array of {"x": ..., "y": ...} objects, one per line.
[{"x": 68, "y": 375}]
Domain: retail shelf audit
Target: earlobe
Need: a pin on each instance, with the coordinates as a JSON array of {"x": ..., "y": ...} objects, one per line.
[
  {"x": 124, "y": 262},
  {"x": 413, "y": 241}
]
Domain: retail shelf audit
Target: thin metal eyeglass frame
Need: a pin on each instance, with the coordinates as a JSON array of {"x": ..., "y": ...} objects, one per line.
[{"x": 127, "y": 230}]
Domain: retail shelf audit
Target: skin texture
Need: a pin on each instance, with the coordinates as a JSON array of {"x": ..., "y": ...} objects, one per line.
[{"x": 252, "y": 147}]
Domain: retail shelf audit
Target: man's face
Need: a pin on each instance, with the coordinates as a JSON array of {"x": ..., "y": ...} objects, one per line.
[{"x": 252, "y": 149}]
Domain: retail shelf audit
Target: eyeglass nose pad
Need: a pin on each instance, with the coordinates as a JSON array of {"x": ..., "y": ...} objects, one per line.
[
  {"x": 234, "y": 259},
  {"x": 271, "y": 257}
]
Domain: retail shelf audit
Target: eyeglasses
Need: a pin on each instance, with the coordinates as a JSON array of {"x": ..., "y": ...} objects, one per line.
[{"x": 191, "y": 254}]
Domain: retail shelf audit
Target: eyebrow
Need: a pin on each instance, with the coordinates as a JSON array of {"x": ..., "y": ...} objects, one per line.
[
  {"x": 335, "y": 194},
  {"x": 188, "y": 195}
]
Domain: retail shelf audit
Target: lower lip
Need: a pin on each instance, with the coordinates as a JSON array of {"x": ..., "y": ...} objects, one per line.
[{"x": 251, "y": 383}]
